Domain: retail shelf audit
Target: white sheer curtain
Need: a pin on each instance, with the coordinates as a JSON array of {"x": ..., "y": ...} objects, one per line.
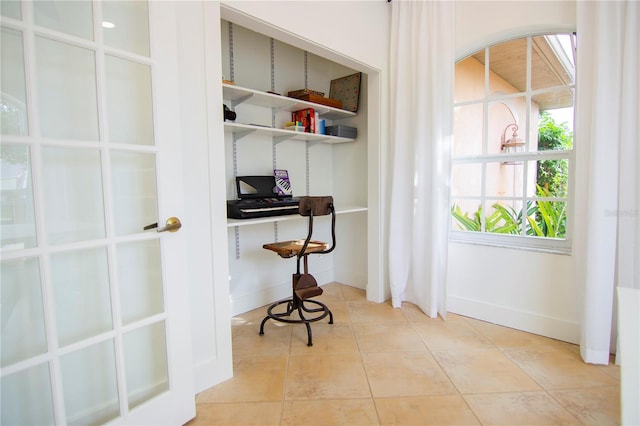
[
  {"x": 422, "y": 67},
  {"x": 607, "y": 164}
]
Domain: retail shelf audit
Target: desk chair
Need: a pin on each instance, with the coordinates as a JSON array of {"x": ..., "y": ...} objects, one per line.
[{"x": 304, "y": 285}]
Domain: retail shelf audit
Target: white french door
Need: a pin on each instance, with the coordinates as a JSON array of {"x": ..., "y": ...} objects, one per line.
[{"x": 94, "y": 313}]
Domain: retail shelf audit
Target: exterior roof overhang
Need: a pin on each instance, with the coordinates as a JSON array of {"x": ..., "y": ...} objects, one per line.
[{"x": 551, "y": 66}]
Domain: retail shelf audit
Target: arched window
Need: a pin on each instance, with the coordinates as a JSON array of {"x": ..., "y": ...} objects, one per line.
[{"x": 513, "y": 144}]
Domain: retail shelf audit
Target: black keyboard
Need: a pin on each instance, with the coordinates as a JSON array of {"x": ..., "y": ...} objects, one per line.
[{"x": 262, "y": 207}]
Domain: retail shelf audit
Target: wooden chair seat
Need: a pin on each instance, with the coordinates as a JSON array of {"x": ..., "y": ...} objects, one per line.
[{"x": 292, "y": 248}]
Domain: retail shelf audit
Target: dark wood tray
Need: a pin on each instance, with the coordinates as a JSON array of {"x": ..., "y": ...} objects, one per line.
[{"x": 310, "y": 97}]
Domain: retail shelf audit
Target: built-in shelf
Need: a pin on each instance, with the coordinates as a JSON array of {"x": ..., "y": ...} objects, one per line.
[
  {"x": 240, "y": 222},
  {"x": 240, "y": 130},
  {"x": 237, "y": 95}
]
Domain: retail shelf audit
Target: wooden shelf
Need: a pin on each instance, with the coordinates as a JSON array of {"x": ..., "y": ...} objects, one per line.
[
  {"x": 241, "y": 130},
  {"x": 237, "y": 95},
  {"x": 244, "y": 222}
]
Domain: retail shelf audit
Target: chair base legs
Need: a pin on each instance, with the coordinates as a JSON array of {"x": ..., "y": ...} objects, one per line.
[{"x": 297, "y": 304}]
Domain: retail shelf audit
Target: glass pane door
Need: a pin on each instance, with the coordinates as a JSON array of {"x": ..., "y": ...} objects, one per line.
[{"x": 85, "y": 317}]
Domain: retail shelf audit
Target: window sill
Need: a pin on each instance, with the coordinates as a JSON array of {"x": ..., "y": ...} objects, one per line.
[{"x": 535, "y": 244}]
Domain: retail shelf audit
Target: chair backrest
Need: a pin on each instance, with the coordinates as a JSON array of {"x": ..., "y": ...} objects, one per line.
[{"x": 317, "y": 206}]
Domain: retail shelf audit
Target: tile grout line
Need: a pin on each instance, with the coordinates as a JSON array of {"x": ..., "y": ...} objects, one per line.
[
  {"x": 286, "y": 376},
  {"x": 373, "y": 399},
  {"x": 502, "y": 350},
  {"x": 355, "y": 338},
  {"x": 453, "y": 383}
]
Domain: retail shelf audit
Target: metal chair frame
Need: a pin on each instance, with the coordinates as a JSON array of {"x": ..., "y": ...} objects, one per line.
[{"x": 296, "y": 303}]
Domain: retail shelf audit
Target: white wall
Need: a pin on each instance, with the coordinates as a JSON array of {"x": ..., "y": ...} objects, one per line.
[
  {"x": 522, "y": 289},
  {"x": 482, "y": 23},
  {"x": 353, "y": 29},
  {"x": 354, "y": 34}
]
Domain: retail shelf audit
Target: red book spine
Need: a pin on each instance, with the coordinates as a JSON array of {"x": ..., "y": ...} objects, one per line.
[{"x": 306, "y": 118}]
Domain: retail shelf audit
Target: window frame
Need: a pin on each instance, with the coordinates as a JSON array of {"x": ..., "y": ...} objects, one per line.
[{"x": 522, "y": 241}]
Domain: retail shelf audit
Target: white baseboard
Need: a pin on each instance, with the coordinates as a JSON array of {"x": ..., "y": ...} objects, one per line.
[
  {"x": 531, "y": 322},
  {"x": 247, "y": 302},
  {"x": 629, "y": 335}
]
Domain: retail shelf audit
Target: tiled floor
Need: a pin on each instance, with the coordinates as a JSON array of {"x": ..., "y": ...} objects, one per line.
[{"x": 382, "y": 366}]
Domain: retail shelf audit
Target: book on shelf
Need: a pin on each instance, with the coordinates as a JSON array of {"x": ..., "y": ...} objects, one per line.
[
  {"x": 283, "y": 184},
  {"x": 307, "y": 119}
]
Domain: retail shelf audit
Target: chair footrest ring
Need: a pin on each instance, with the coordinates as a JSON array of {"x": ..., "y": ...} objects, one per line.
[
  {"x": 278, "y": 316},
  {"x": 322, "y": 311}
]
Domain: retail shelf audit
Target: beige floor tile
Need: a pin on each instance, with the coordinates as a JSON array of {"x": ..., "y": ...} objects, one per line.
[
  {"x": 413, "y": 365},
  {"x": 483, "y": 371},
  {"x": 340, "y": 313},
  {"x": 425, "y": 410},
  {"x": 504, "y": 337},
  {"x": 350, "y": 293},
  {"x": 254, "y": 316},
  {"x": 334, "y": 338},
  {"x": 361, "y": 412},
  {"x": 326, "y": 376},
  {"x": 558, "y": 369},
  {"x": 331, "y": 292},
  {"x": 255, "y": 378},
  {"x": 295, "y": 316},
  {"x": 340, "y": 316},
  {"x": 612, "y": 370},
  {"x": 238, "y": 414},
  {"x": 456, "y": 317},
  {"x": 393, "y": 374},
  {"x": 441, "y": 335},
  {"x": 364, "y": 311},
  {"x": 592, "y": 406},
  {"x": 521, "y": 408},
  {"x": 246, "y": 339},
  {"x": 387, "y": 337},
  {"x": 414, "y": 313}
]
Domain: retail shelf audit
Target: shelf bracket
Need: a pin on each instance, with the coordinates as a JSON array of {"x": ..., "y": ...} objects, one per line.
[
  {"x": 236, "y": 102},
  {"x": 286, "y": 107},
  {"x": 316, "y": 142},
  {"x": 280, "y": 139},
  {"x": 242, "y": 134}
]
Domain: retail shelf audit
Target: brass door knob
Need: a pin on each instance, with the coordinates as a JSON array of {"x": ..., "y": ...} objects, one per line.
[{"x": 172, "y": 225}]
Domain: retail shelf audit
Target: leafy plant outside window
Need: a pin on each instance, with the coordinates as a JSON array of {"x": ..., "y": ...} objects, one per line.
[
  {"x": 545, "y": 218},
  {"x": 552, "y": 175}
]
